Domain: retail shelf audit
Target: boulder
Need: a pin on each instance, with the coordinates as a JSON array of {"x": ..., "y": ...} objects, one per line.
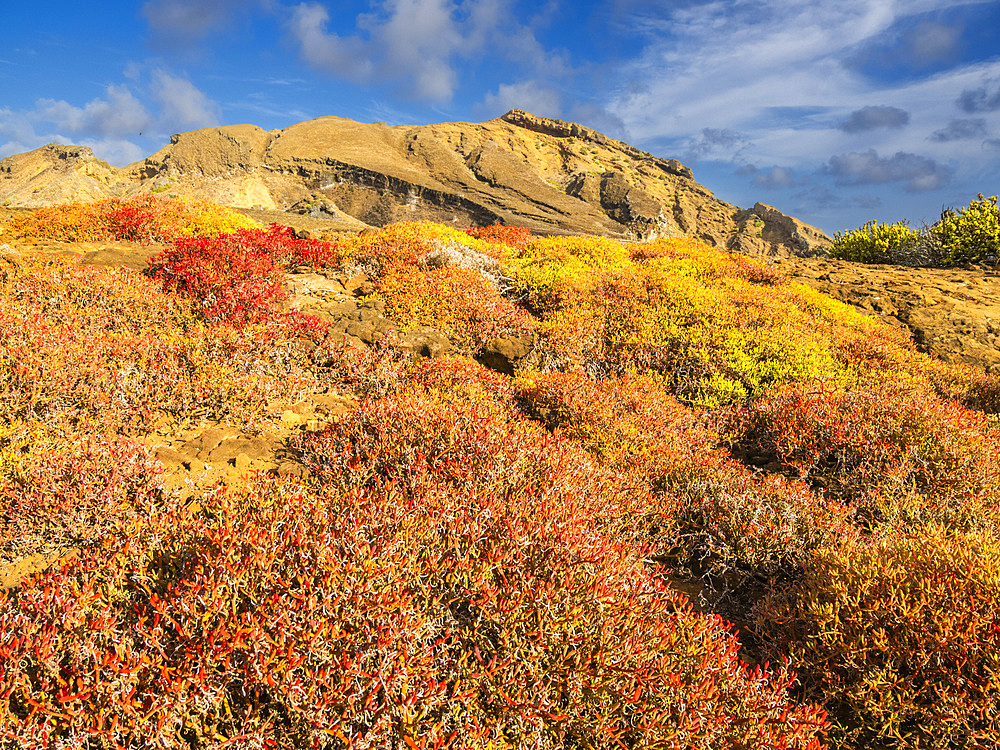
[{"x": 505, "y": 353}]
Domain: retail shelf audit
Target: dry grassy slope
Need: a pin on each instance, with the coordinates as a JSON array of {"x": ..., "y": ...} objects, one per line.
[{"x": 548, "y": 175}]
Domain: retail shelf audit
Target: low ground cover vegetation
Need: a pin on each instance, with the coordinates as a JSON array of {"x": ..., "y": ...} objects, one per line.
[
  {"x": 478, "y": 559},
  {"x": 141, "y": 218}
]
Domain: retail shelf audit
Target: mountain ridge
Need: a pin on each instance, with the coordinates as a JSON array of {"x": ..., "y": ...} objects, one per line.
[{"x": 551, "y": 176}]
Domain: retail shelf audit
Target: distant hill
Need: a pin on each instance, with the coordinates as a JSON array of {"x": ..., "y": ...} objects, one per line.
[{"x": 550, "y": 176}]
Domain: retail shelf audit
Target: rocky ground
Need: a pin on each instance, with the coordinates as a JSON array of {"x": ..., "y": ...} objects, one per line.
[{"x": 953, "y": 314}]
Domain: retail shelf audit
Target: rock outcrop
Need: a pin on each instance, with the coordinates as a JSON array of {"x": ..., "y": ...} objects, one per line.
[
  {"x": 57, "y": 174},
  {"x": 952, "y": 313},
  {"x": 550, "y": 176}
]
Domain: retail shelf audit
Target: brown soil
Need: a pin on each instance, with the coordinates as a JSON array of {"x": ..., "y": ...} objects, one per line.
[
  {"x": 130, "y": 254},
  {"x": 12, "y": 574}
]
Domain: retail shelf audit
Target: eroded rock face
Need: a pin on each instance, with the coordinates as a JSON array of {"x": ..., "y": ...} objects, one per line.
[
  {"x": 561, "y": 129},
  {"x": 550, "y": 176},
  {"x": 630, "y": 205},
  {"x": 209, "y": 152}
]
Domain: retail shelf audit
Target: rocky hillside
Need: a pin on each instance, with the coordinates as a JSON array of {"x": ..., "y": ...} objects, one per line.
[{"x": 551, "y": 176}]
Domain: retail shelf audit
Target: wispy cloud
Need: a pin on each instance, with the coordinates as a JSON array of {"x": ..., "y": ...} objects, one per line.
[
  {"x": 718, "y": 143},
  {"x": 785, "y": 76},
  {"x": 729, "y": 64}
]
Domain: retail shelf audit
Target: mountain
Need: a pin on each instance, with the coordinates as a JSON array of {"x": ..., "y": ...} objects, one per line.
[{"x": 550, "y": 176}]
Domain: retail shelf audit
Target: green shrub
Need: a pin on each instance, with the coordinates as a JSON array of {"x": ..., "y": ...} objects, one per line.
[
  {"x": 970, "y": 234},
  {"x": 876, "y": 243},
  {"x": 966, "y": 235}
]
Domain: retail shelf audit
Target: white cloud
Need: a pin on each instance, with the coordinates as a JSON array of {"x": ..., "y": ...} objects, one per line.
[
  {"x": 418, "y": 45},
  {"x": 182, "y": 104},
  {"x": 115, "y": 150},
  {"x": 417, "y": 40},
  {"x": 16, "y": 126},
  {"x": 103, "y": 124},
  {"x": 111, "y": 124},
  {"x": 527, "y": 95},
  {"x": 412, "y": 46},
  {"x": 119, "y": 114},
  {"x": 342, "y": 56}
]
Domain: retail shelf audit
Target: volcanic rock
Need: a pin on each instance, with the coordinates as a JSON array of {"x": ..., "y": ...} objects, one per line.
[{"x": 952, "y": 313}]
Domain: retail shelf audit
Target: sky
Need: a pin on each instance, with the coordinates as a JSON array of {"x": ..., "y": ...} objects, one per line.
[{"x": 835, "y": 112}]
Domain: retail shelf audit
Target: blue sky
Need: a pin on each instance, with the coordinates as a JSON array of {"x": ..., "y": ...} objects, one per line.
[{"x": 836, "y": 112}]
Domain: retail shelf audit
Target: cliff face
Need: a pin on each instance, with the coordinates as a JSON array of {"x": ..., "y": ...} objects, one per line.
[{"x": 548, "y": 175}]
